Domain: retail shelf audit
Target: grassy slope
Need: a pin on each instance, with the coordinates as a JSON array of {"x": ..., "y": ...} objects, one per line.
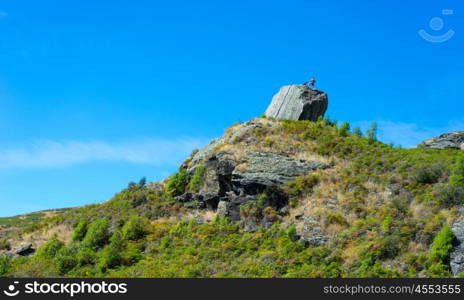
[
  {"x": 30, "y": 219},
  {"x": 381, "y": 207}
]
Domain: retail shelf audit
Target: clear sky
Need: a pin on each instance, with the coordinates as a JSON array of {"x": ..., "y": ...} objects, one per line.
[{"x": 94, "y": 94}]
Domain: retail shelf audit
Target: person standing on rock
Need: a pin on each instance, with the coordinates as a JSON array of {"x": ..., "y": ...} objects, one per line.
[{"x": 312, "y": 82}]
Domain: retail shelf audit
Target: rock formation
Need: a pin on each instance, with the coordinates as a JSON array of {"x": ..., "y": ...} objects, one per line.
[
  {"x": 243, "y": 171},
  {"x": 451, "y": 140},
  {"x": 298, "y": 102},
  {"x": 237, "y": 175},
  {"x": 457, "y": 254}
]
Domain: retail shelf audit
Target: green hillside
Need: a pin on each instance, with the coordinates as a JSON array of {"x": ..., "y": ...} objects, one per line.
[{"x": 373, "y": 210}]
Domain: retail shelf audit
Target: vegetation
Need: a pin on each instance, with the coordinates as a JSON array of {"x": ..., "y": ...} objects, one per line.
[
  {"x": 386, "y": 212},
  {"x": 177, "y": 183},
  {"x": 442, "y": 245}
]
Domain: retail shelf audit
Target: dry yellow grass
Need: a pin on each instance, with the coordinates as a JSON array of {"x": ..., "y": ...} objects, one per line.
[{"x": 40, "y": 237}]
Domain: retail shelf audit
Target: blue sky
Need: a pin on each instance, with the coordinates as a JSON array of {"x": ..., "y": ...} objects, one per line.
[{"x": 94, "y": 94}]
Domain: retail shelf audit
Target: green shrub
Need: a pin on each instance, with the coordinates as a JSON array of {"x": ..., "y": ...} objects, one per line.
[
  {"x": 302, "y": 185},
  {"x": 253, "y": 207},
  {"x": 442, "y": 245},
  {"x": 134, "y": 228},
  {"x": 429, "y": 174},
  {"x": 51, "y": 248},
  {"x": 344, "y": 129},
  {"x": 177, "y": 183},
  {"x": 457, "y": 177},
  {"x": 97, "y": 235},
  {"x": 111, "y": 254},
  {"x": 371, "y": 133},
  {"x": 138, "y": 198},
  {"x": 275, "y": 197},
  {"x": 291, "y": 233},
  {"x": 5, "y": 265},
  {"x": 197, "y": 178},
  {"x": 357, "y": 131},
  {"x": 449, "y": 195},
  {"x": 65, "y": 260},
  {"x": 438, "y": 270},
  {"x": 390, "y": 246},
  {"x": 86, "y": 256},
  {"x": 80, "y": 230},
  {"x": 142, "y": 182}
]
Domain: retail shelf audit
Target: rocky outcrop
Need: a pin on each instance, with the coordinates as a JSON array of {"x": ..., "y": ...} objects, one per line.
[
  {"x": 237, "y": 170},
  {"x": 457, "y": 254},
  {"x": 229, "y": 183},
  {"x": 298, "y": 102},
  {"x": 267, "y": 169},
  {"x": 451, "y": 140},
  {"x": 24, "y": 250}
]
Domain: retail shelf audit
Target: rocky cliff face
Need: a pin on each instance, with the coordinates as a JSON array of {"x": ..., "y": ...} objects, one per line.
[
  {"x": 234, "y": 176},
  {"x": 451, "y": 140},
  {"x": 298, "y": 102}
]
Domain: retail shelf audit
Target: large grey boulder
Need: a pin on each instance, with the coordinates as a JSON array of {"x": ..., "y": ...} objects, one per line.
[
  {"x": 451, "y": 140},
  {"x": 25, "y": 250},
  {"x": 457, "y": 254},
  {"x": 298, "y": 102}
]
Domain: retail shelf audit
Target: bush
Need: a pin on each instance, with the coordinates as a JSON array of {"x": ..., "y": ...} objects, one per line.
[
  {"x": 134, "y": 228},
  {"x": 303, "y": 185},
  {"x": 65, "y": 260},
  {"x": 80, "y": 230},
  {"x": 390, "y": 246},
  {"x": 111, "y": 254},
  {"x": 138, "y": 198},
  {"x": 457, "y": 177},
  {"x": 371, "y": 133},
  {"x": 5, "y": 265},
  {"x": 86, "y": 256},
  {"x": 197, "y": 178},
  {"x": 344, "y": 129},
  {"x": 449, "y": 195},
  {"x": 51, "y": 248},
  {"x": 442, "y": 245},
  {"x": 176, "y": 184},
  {"x": 97, "y": 235},
  {"x": 429, "y": 174},
  {"x": 275, "y": 197},
  {"x": 357, "y": 131}
]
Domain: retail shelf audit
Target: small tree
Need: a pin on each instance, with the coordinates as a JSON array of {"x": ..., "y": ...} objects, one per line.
[
  {"x": 111, "y": 255},
  {"x": 176, "y": 184},
  {"x": 344, "y": 129},
  {"x": 372, "y": 132},
  {"x": 134, "y": 228},
  {"x": 97, "y": 235},
  {"x": 80, "y": 230},
  {"x": 65, "y": 260},
  {"x": 357, "y": 131},
  {"x": 143, "y": 181},
  {"x": 51, "y": 248}
]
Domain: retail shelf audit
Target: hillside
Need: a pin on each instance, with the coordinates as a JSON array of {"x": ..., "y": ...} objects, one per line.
[{"x": 271, "y": 198}]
